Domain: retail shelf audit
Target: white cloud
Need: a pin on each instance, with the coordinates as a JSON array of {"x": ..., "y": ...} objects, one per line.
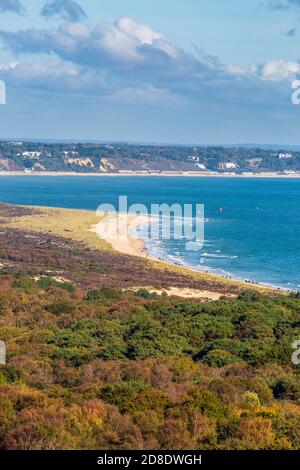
[
  {"x": 68, "y": 10},
  {"x": 132, "y": 61},
  {"x": 279, "y": 70},
  {"x": 235, "y": 70},
  {"x": 124, "y": 41}
]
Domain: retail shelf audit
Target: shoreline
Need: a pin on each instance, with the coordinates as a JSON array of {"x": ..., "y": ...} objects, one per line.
[
  {"x": 135, "y": 246},
  {"x": 87, "y": 222},
  {"x": 164, "y": 174},
  {"x": 131, "y": 245},
  {"x": 80, "y": 226}
]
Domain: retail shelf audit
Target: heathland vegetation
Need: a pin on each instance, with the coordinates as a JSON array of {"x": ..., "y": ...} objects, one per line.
[
  {"x": 117, "y": 370},
  {"x": 93, "y": 364}
]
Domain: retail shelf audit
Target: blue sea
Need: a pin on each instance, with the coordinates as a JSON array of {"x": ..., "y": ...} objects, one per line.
[{"x": 252, "y": 226}]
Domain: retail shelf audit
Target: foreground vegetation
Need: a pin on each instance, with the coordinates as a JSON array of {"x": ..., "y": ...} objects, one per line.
[
  {"x": 112, "y": 369},
  {"x": 97, "y": 361}
]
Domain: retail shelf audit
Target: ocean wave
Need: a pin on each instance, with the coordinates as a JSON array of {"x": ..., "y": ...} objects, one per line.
[
  {"x": 214, "y": 255},
  {"x": 161, "y": 250}
]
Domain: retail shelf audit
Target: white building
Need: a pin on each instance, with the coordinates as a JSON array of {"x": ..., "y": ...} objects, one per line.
[
  {"x": 32, "y": 154},
  {"x": 200, "y": 166},
  {"x": 254, "y": 162},
  {"x": 71, "y": 153},
  {"x": 228, "y": 166}
]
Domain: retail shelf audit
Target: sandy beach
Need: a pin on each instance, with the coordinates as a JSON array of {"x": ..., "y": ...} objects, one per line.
[
  {"x": 118, "y": 231},
  {"x": 166, "y": 174},
  {"x": 126, "y": 242}
]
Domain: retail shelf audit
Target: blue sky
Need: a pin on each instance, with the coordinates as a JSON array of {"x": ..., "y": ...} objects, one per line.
[{"x": 199, "y": 71}]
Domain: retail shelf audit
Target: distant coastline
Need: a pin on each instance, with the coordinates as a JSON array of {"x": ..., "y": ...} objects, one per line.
[
  {"x": 30, "y": 158},
  {"x": 156, "y": 174}
]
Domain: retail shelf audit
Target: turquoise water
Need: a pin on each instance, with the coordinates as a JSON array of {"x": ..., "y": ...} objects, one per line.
[{"x": 256, "y": 237}]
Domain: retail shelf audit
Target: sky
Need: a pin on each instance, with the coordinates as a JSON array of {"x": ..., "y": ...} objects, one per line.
[{"x": 193, "y": 72}]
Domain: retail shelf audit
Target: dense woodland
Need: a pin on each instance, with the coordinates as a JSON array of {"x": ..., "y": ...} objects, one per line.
[
  {"x": 92, "y": 364},
  {"x": 82, "y": 158},
  {"x": 106, "y": 369}
]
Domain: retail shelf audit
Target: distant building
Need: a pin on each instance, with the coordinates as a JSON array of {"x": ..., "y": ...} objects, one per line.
[
  {"x": 32, "y": 154},
  {"x": 200, "y": 166},
  {"x": 285, "y": 156},
  {"x": 193, "y": 158},
  {"x": 70, "y": 153},
  {"x": 254, "y": 162},
  {"x": 38, "y": 167},
  {"x": 82, "y": 162},
  {"x": 228, "y": 166}
]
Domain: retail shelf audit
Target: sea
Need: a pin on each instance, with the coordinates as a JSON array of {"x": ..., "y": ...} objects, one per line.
[{"x": 251, "y": 225}]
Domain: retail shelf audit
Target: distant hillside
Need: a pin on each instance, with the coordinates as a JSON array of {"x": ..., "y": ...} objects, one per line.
[{"x": 113, "y": 158}]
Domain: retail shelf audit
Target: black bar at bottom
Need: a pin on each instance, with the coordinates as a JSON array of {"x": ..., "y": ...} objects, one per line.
[{"x": 133, "y": 459}]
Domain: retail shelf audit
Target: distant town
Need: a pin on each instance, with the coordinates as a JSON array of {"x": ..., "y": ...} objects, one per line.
[{"x": 38, "y": 158}]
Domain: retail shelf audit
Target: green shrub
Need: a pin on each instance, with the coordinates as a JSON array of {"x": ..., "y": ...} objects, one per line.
[
  {"x": 207, "y": 402},
  {"x": 113, "y": 352},
  {"x": 24, "y": 282},
  {"x": 134, "y": 396},
  {"x": 287, "y": 389},
  {"x": 48, "y": 281},
  {"x": 250, "y": 296},
  {"x": 4, "y": 303},
  {"x": 145, "y": 294},
  {"x": 10, "y": 374},
  {"x": 219, "y": 358},
  {"x": 62, "y": 306},
  {"x": 106, "y": 293}
]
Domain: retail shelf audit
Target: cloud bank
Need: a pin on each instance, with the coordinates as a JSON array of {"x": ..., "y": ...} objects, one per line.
[
  {"x": 124, "y": 43},
  {"x": 12, "y": 5},
  {"x": 283, "y": 4},
  {"x": 127, "y": 67},
  {"x": 67, "y": 10},
  {"x": 128, "y": 54}
]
